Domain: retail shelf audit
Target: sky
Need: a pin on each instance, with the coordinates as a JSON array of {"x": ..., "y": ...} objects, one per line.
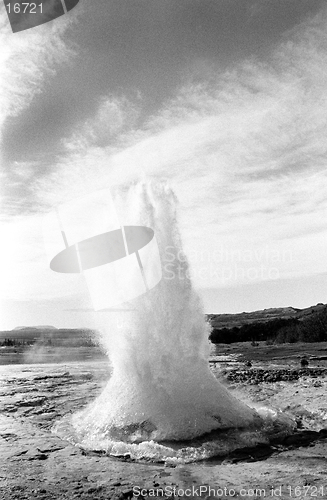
[{"x": 224, "y": 99}]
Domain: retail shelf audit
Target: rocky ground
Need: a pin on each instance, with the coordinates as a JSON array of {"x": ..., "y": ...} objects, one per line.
[
  {"x": 35, "y": 463},
  {"x": 258, "y": 375}
]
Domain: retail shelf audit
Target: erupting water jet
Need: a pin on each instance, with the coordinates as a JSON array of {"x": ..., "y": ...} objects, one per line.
[{"x": 162, "y": 401}]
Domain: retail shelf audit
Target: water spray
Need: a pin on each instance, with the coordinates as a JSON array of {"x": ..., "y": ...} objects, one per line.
[{"x": 162, "y": 402}]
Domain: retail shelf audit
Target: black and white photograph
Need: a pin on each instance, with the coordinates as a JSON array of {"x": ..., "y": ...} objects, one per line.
[{"x": 163, "y": 256}]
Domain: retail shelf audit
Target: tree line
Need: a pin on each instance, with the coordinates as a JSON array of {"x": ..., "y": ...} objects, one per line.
[
  {"x": 279, "y": 330},
  {"x": 14, "y": 342}
]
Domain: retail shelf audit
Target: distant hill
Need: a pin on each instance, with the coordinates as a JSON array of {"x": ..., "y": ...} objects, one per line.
[
  {"x": 284, "y": 324},
  {"x": 40, "y": 327},
  {"x": 262, "y": 316},
  {"x": 274, "y": 325}
]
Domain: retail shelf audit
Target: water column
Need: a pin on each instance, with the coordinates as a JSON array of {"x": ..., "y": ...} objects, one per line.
[{"x": 161, "y": 389}]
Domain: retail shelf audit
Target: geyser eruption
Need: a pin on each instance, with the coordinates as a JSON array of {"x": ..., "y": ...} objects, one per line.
[{"x": 161, "y": 390}]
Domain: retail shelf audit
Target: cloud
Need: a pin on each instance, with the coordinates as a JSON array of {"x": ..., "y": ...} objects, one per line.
[
  {"x": 245, "y": 153},
  {"x": 25, "y": 59},
  {"x": 114, "y": 116},
  {"x": 255, "y": 125}
]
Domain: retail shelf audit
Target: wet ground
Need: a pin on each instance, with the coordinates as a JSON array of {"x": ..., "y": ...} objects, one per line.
[{"x": 35, "y": 463}]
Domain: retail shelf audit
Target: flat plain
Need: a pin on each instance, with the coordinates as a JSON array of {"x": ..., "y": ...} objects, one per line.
[{"x": 35, "y": 463}]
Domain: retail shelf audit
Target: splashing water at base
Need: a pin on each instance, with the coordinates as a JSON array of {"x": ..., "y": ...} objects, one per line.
[{"x": 162, "y": 402}]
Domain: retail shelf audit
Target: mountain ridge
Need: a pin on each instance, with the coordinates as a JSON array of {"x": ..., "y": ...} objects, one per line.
[
  {"x": 274, "y": 325},
  {"x": 262, "y": 315}
]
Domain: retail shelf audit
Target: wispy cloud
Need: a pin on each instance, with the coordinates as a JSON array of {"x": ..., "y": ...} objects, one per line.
[
  {"x": 26, "y": 60},
  {"x": 245, "y": 153},
  {"x": 114, "y": 116}
]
